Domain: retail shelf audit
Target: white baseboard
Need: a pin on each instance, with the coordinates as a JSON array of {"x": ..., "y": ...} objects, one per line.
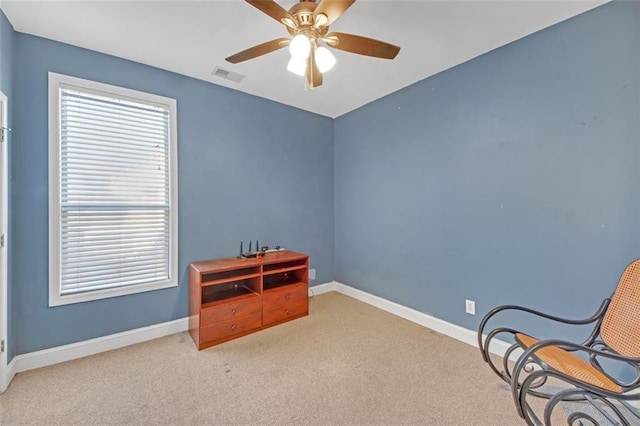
[
  {"x": 451, "y": 330},
  {"x": 323, "y": 288},
  {"x": 73, "y": 351},
  {"x": 454, "y": 331}
]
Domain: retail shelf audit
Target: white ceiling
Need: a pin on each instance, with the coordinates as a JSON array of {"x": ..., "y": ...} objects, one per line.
[{"x": 193, "y": 37}]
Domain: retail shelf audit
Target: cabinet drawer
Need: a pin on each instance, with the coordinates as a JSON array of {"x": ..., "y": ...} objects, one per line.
[
  {"x": 229, "y": 311},
  {"x": 225, "y": 329},
  {"x": 277, "y": 298},
  {"x": 292, "y": 310},
  {"x": 286, "y": 302}
]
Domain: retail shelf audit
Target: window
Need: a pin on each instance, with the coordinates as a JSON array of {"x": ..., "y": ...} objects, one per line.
[{"x": 112, "y": 191}]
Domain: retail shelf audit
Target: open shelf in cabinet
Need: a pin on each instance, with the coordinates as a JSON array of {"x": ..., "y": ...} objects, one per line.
[
  {"x": 222, "y": 293},
  {"x": 284, "y": 273},
  {"x": 215, "y": 278},
  {"x": 292, "y": 265},
  {"x": 279, "y": 280}
]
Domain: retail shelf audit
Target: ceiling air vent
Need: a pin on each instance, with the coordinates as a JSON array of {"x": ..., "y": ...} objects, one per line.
[{"x": 228, "y": 75}]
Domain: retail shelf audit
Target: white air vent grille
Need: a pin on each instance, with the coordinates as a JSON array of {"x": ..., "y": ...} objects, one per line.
[{"x": 228, "y": 75}]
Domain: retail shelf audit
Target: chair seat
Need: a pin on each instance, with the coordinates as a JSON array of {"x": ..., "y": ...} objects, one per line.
[{"x": 568, "y": 364}]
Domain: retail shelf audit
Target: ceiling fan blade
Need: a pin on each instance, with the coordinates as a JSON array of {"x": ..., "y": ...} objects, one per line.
[
  {"x": 332, "y": 9},
  {"x": 361, "y": 45},
  {"x": 314, "y": 76},
  {"x": 272, "y": 9},
  {"x": 259, "y": 50}
]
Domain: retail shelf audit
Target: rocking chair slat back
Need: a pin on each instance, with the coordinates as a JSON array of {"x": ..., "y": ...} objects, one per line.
[{"x": 620, "y": 328}]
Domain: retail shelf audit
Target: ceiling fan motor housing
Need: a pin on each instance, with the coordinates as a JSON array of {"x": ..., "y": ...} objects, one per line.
[{"x": 303, "y": 14}]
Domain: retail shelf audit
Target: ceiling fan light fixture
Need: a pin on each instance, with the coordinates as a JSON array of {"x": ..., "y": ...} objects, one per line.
[
  {"x": 300, "y": 47},
  {"x": 297, "y": 66},
  {"x": 324, "y": 59}
]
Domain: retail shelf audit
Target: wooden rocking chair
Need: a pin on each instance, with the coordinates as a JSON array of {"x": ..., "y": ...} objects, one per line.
[{"x": 583, "y": 370}]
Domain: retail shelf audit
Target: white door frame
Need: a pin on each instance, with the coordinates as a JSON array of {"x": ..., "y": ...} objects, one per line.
[{"x": 4, "y": 211}]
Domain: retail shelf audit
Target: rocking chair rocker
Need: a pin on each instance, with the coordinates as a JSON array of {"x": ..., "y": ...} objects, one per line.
[{"x": 582, "y": 369}]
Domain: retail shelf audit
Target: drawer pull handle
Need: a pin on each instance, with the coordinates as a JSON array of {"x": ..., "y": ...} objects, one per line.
[
  {"x": 233, "y": 311},
  {"x": 233, "y": 326},
  {"x": 286, "y": 311},
  {"x": 287, "y": 297}
]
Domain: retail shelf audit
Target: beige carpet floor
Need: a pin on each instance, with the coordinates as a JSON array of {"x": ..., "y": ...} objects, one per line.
[{"x": 346, "y": 363}]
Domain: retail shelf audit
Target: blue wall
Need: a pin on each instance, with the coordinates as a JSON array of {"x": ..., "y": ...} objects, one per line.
[
  {"x": 6, "y": 86},
  {"x": 241, "y": 173},
  {"x": 512, "y": 178},
  {"x": 6, "y": 53}
]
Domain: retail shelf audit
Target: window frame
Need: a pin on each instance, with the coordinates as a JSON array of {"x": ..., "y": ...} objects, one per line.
[{"x": 56, "y": 82}]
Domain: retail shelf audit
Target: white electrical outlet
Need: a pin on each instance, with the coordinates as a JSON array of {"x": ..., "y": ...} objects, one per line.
[
  {"x": 470, "y": 306},
  {"x": 312, "y": 274}
]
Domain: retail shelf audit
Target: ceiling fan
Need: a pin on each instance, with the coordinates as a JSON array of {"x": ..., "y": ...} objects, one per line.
[{"x": 308, "y": 22}]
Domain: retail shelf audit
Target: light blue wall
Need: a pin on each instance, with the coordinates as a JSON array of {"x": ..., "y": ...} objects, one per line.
[
  {"x": 6, "y": 53},
  {"x": 241, "y": 173},
  {"x": 6, "y": 86},
  {"x": 512, "y": 178}
]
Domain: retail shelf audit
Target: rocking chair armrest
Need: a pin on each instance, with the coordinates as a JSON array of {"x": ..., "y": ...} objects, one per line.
[{"x": 593, "y": 318}]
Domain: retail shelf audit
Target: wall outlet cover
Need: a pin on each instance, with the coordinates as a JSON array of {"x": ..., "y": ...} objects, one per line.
[{"x": 470, "y": 307}]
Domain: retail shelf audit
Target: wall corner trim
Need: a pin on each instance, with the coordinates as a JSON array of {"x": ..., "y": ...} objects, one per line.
[
  {"x": 324, "y": 288},
  {"x": 10, "y": 373}
]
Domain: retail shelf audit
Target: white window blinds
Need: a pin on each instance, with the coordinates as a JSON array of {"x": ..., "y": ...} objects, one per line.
[{"x": 114, "y": 192}]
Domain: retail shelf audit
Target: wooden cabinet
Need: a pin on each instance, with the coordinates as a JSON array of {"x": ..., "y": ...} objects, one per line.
[{"x": 232, "y": 297}]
